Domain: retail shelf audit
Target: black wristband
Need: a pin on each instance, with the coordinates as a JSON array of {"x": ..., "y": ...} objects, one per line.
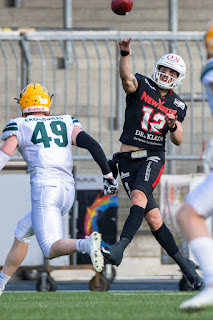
[
  {"x": 124, "y": 53},
  {"x": 173, "y": 129}
]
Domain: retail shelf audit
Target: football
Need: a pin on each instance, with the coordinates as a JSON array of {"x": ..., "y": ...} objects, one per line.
[{"x": 121, "y": 7}]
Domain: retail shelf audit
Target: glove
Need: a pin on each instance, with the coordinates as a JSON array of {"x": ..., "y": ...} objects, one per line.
[
  {"x": 110, "y": 186},
  {"x": 113, "y": 164}
]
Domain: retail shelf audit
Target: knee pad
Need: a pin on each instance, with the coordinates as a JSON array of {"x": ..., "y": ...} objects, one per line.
[
  {"x": 24, "y": 230},
  {"x": 44, "y": 244}
]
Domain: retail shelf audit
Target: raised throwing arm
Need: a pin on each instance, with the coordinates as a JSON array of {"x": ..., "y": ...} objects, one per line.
[{"x": 129, "y": 82}]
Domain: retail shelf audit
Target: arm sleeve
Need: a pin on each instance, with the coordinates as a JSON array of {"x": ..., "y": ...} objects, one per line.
[{"x": 84, "y": 140}]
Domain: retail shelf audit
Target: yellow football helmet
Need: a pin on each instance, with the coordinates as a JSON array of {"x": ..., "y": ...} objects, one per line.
[
  {"x": 34, "y": 98},
  {"x": 209, "y": 40}
]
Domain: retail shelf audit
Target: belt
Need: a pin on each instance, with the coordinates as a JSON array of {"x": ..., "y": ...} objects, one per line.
[
  {"x": 138, "y": 154},
  {"x": 132, "y": 154}
]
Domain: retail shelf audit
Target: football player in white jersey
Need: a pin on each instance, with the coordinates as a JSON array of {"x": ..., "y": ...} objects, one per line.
[
  {"x": 198, "y": 204},
  {"x": 45, "y": 143}
]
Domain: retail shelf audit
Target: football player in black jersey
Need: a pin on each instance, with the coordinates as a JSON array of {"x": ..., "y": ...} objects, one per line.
[{"x": 152, "y": 110}]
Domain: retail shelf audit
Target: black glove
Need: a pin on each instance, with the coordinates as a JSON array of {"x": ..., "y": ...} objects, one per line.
[
  {"x": 113, "y": 165},
  {"x": 110, "y": 186}
]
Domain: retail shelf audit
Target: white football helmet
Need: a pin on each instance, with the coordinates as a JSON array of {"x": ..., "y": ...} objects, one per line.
[{"x": 174, "y": 62}]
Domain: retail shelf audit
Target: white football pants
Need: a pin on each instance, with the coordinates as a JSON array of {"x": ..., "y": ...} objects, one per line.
[
  {"x": 200, "y": 198},
  {"x": 49, "y": 204}
]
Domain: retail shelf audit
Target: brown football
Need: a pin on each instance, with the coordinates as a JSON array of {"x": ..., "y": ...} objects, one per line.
[{"x": 121, "y": 7}]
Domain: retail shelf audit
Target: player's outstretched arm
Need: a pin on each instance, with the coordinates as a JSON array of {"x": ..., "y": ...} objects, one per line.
[
  {"x": 7, "y": 150},
  {"x": 83, "y": 140},
  {"x": 129, "y": 81}
]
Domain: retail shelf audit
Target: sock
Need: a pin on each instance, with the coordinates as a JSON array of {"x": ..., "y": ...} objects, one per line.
[
  {"x": 3, "y": 280},
  {"x": 182, "y": 262},
  {"x": 166, "y": 240},
  {"x": 82, "y": 245},
  {"x": 124, "y": 242},
  {"x": 132, "y": 224},
  {"x": 202, "y": 249}
]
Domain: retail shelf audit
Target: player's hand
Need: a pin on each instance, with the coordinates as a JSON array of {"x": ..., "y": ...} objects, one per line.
[
  {"x": 110, "y": 185},
  {"x": 124, "y": 45},
  {"x": 170, "y": 119}
]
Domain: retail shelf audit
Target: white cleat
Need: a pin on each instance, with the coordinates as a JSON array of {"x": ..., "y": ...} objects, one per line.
[
  {"x": 95, "y": 251},
  {"x": 200, "y": 301}
]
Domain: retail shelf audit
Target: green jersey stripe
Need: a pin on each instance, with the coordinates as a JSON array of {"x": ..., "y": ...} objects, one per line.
[
  {"x": 74, "y": 120},
  {"x": 11, "y": 124},
  {"x": 11, "y": 129}
]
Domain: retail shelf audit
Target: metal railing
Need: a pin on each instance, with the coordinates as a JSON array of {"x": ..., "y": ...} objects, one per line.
[{"x": 85, "y": 80}]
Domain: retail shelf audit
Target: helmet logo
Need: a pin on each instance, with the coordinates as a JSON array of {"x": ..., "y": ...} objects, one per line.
[
  {"x": 173, "y": 58},
  {"x": 35, "y": 109}
]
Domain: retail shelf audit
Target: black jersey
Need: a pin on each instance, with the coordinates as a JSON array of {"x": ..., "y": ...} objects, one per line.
[{"x": 145, "y": 125}]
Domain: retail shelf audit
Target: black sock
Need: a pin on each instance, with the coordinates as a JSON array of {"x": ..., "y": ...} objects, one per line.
[
  {"x": 124, "y": 242},
  {"x": 182, "y": 262},
  {"x": 132, "y": 224},
  {"x": 166, "y": 240}
]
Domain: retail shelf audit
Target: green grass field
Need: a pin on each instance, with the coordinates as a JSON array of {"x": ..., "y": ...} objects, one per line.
[{"x": 96, "y": 305}]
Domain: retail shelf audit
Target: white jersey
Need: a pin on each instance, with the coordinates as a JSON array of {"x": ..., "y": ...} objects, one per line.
[
  {"x": 200, "y": 197},
  {"x": 45, "y": 143},
  {"x": 207, "y": 80}
]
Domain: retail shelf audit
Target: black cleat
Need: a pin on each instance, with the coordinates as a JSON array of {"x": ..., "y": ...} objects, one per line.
[
  {"x": 192, "y": 276},
  {"x": 114, "y": 253}
]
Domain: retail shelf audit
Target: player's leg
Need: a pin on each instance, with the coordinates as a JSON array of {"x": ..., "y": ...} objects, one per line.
[
  {"x": 91, "y": 245},
  {"x": 15, "y": 257},
  {"x": 165, "y": 238},
  {"x": 191, "y": 217},
  {"x": 133, "y": 222},
  {"x": 18, "y": 251},
  {"x": 132, "y": 173},
  {"x": 49, "y": 203},
  {"x": 201, "y": 245},
  {"x": 13, "y": 261}
]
